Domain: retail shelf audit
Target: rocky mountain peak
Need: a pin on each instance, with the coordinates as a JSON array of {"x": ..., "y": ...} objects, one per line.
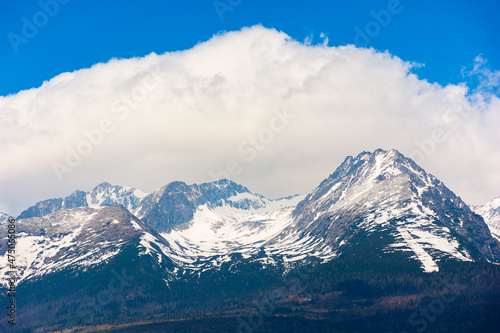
[
  {"x": 103, "y": 195},
  {"x": 175, "y": 203},
  {"x": 386, "y": 191},
  {"x": 176, "y": 186}
]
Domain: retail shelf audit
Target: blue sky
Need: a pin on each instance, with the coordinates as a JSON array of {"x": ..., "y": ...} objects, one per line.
[
  {"x": 195, "y": 115},
  {"x": 443, "y": 35}
]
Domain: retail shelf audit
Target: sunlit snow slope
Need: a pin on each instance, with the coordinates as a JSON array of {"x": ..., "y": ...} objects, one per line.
[
  {"x": 224, "y": 230},
  {"x": 78, "y": 239}
]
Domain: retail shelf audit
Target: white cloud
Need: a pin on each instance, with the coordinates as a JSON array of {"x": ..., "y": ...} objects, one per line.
[
  {"x": 185, "y": 115},
  {"x": 488, "y": 81}
]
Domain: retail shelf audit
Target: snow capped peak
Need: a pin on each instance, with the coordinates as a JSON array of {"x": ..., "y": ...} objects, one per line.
[
  {"x": 106, "y": 194},
  {"x": 372, "y": 168},
  {"x": 384, "y": 191},
  {"x": 4, "y": 217},
  {"x": 493, "y": 204},
  {"x": 103, "y": 195},
  {"x": 490, "y": 211}
]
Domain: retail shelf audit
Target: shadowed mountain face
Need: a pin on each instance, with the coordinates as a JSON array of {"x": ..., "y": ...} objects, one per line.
[
  {"x": 175, "y": 204},
  {"x": 378, "y": 212}
]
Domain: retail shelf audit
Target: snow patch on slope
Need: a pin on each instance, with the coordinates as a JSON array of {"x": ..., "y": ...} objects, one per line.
[
  {"x": 224, "y": 230},
  {"x": 428, "y": 263}
]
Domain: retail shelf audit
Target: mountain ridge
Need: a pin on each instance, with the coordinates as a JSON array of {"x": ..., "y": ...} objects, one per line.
[
  {"x": 364, "y": 184},
  {"x": 103, "y": 195},
  {"x": 377, "y": 213},
  {"x": 202, "y": 225}
]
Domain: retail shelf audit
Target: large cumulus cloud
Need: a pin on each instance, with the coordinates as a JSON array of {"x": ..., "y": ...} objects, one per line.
[{"x": 271, "y": 113}]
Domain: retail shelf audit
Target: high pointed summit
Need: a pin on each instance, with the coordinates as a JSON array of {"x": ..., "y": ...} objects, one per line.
[{"x": 384, "y": 191}]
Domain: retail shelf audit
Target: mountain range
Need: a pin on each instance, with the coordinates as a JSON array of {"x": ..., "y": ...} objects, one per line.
[
  {"x": 102, "y": 195},
  {"x": 377, "y": 209}
]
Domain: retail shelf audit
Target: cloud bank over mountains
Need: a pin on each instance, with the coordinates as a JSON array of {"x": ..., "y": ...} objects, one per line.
[{"x": 253, "y": 105}]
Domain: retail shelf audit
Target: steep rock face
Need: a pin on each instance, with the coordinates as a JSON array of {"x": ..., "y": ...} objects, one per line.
[
  {"x": 386, "y": 191},
  {"x": 74, "y": 200},
  {"x": 103, "y": 195},
  {"x": 168, "y": 207}
]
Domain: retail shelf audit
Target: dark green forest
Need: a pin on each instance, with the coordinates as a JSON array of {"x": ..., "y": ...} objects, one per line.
[{"x": 353, "y": 293}]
